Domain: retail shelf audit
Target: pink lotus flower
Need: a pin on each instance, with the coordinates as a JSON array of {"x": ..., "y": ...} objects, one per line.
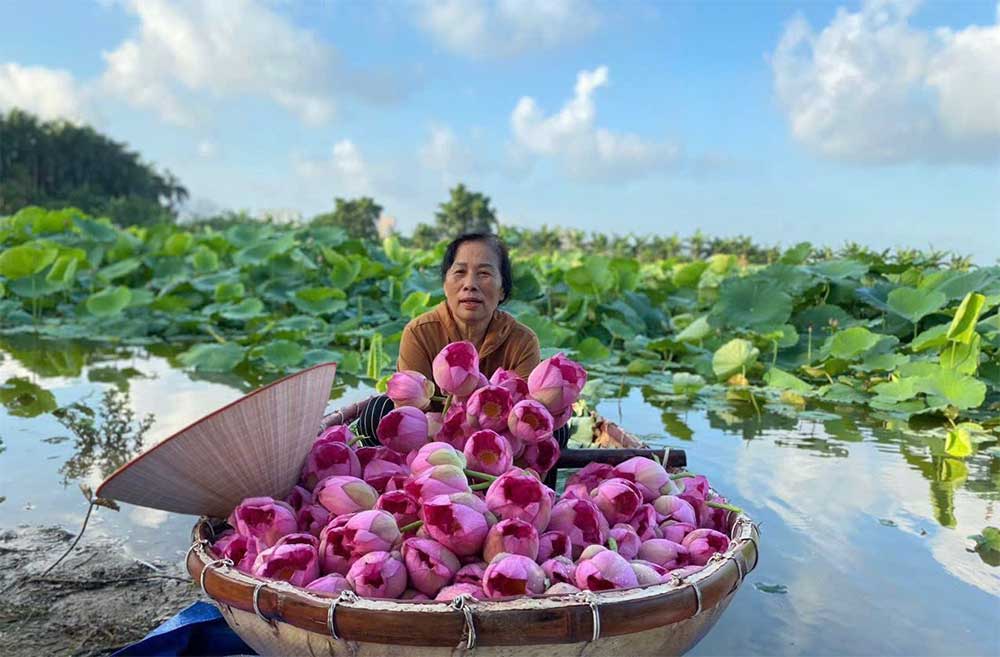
[
  {"x": 518, "y": 494},
  {"x": 438, "y": 480},
  {"x": 329, "y": 585},
  {"x": 591, "y": 475},
  {"x": 329, "y": 457},
  {"x": 647, "y": 474},
  {"x": 559, "y": 420},
  {"x": 561, "y": 588},
  {"x": 576, "y": 491},
  {"x": 458, "y": 526},
  {"x": 541, "y": 456},
  {"x": 371, "y": 531},
  {"x": 664, "y": 553},
  {"x": 647, "y": 573},
  {"x": 241, "y": 550},
  {"x": 339, "y": 432},
  {"x": 378, "y": 575},
  {"x": 530, "y": 421},
  {"x": 513, "y": 574},
  {"x": 403, "y": 429},
  {"x": 340, "y": 495},
  {"x": 299, "y": 497},
  {"x": 618, "y": 499},
  {"x": 334, "y": 550},
  {"x": 264, "y": 519},
  {"x": 456, "y": 369},
  {"x": 559, "y": 569},
  {"x": 554, "y": 544},
  {"x": 295, "y": 563},
  {"x": 312, "y": 518},
  {"x": 512, "y": 536},
  {"x": 489, "y": 452},
  {"x": 405, "y": 508},
  {"x": 703, "y": 543},
  {"x": 410, "y": 388},
  {"x": 430, "y": 565},
  {"x": 581, "y": 521},
  {"x": 676, "y": 531},
  {"x": 605, "y": 570},
  {"x": 455, "y": 426},
  {"x": 436, "y": 453},
  {"x": 379, "y": 473},
  {"x": 645, "y": 522},
  {"x": 696, "y": 487},
  {"x": 511, "y": 382},
  {"x": 556, "y": 382},
  {"x": 627, "y": 540},
  {"x": 449, "y": 593},
  {"x": 368, "y": 454},
  {"x": 488, "y": 408},
  {"x": 672, "y": 507},
  {"x": 471, "y": 573}
]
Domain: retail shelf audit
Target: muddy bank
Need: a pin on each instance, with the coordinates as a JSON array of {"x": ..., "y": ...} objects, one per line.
[{"x": 94, "y": 602}]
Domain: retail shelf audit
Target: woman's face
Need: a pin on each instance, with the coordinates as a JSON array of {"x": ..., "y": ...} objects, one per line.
[{"x": 472, "y": 286}]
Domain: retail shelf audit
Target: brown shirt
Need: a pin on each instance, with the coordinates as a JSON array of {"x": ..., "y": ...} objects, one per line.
[{"x": 507, "y": 343}]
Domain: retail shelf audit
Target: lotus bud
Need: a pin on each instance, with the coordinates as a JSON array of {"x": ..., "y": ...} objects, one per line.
[
  {"x": 459, "y": 527},
  {"x": 264, "y": 519},
  {"x": 581, "y": 521},
  {"x": 298, "y": 538},
  {"x": 378, "y": 575},
  {"x": 518, "y": 494},
  {"x": 696, "y": 487},
  {"x": 329, "y": 585},
  {"x": 644, "y": 522},
  {"x": 561, "y": 588},
  {"x": 488, "y": 408},
  {"x": 438, "y": 480},
  {"x": 530, "y": 421},
  {"x": 430, "y": 565},
  {"x": 334, "y": 550},
  {"x": 241, "y": 550},
  {"x": 456, "y": 369},
  {"x": 449, "y": 593},
  {"x": 471, "y": 573},
  {"x": 647, "y": 573},
  {"x": 664, "y": 553},
  {"x": 541, "y": 456},
  {"x": 647, "y": 474},
  {"x": 454, "y": 426},
  {"x": 590, "y": 551},
  {"x": 489, "y": 452},
  {"x": 559, "y": 420},
  {"x": 371, "y": 531},
  {"x": 410, "y": 388},
  {"x": 512, "y": 536},
  {"x": 312, "y": 518},
  {"x": 379, "y": 473},
  {"x": 575, "y": 492},
  {"x": 556, "y": 382},
  {"x": 627, "y": 540},
  {"x": 436, "y": 453},
  {"x": 329, "y": 457},
  {"x": 513, "y": 574},
  {"x": 676, "y": 531},
  {"x": 617, "y": 499},
  {"x": 559, "y": 569},
  {"x": 605, "y": 570},
  {"x": 405, "y": 508},
  {"x": 403, "y": 429},
  {"x": 671, "y": 507},
  {"x": 703, "y": 543},
  {"x": 511, "y": 382},
  {"x": 299, "y": 497},
  {"x": 590, "y": 476},
  {"x": 368, "y": 454},
  {"x": 340, "y": 495},
  {"x": 295, "y": 563},
  {"x": 554, "y": 544}
]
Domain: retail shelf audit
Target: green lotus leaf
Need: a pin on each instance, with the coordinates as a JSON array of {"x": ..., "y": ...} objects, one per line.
[
  {"x": 898, "y": 390},
  {"x": 781, "y": 380},
  {"x": 932, "y": 338},
  {"x": 797, "y": 254},
  {"x": 245, "y": 309},
  {"x": 958, "y": 285},
  {"x": 22, "y": 398},
  {"x": 851, "y": 342},
  {"x": 751, "y": 303},
  {"x": 205, "y": 260},
  {"x": 685, "y": 383},
  {"x": 963, "y": 326},
  {"x": 793, "y": 280},
  {"x": 320, "y": 300},
  {"x": 963, "y": 358},
  {"x": 958, "y": 443},
  {"x": 842, "y": 393},
  {"x": 178, "y": 244},
  {"x": 213, "y": 357},
  {"x": 914, "y": 304},
  {"x": 696, "y": 331},
  {"x": 591, "y": 278},
  {"x": 591, "y": 350},
  {"x": 640, "y": 367},
  {"x": 952, "y": 388},
  {"x": 26, "y": 259},
  {"x": 688, "y": 274},
  {"x": 415, "y": 303},
  {"x": 119, "y": 269},
  {"x": 229, "y": 292},
  {"x": 63, "y": 271},
  {"x": 262, "y": 251},
  {"x": 96, "y": 231},
  {"x": 343, "y": 270},
  {"x": 618, "y": 328},
  {"x": 839, "y": 269},
  {"x": 882, "y": 362},
  {"x": 108, "y": 302},
  {"x": 733, "y": 357},
  {"x": 821, "y": 318},
  {"x": 282, "y": 354}
]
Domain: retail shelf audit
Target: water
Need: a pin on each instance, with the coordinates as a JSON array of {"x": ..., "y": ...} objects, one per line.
[{"x": 864, "y": 529}]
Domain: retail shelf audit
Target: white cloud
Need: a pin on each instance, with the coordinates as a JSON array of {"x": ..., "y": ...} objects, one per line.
[
  {"x": 503, "y": 28},
  {"x": 871, "y": 88},
  {"x": 48, "y": 93},
  {"x": 445, "y": 154},
  {"x": 586, "y": 151},
  {"x": 346, "y": 167},
  {"x": 207, "y": 149}
]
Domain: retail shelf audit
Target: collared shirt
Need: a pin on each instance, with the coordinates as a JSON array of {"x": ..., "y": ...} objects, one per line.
[{"x": 507, "y": 343}]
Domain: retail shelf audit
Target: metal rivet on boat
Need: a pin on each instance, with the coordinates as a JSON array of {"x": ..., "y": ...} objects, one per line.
[
  {"x": 200, "y": 541},
  {"x": 211, "y": 564},
  {"x": 463, "y": 604},
  {"x": 590, "y": 599},
  {"x": 256, "y": 604},
  {"x": 345, "y": 596}
]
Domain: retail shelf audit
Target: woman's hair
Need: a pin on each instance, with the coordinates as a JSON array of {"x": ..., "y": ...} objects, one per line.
[{"x": 491, "y": 240}]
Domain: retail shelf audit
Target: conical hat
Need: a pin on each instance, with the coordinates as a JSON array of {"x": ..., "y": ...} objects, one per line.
[{"x": 254, "y": 446}]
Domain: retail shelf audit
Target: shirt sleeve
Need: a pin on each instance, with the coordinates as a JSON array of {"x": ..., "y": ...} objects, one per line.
[
  {"x": 528, "y": 355},
  {"x": 413, "y": 355}
]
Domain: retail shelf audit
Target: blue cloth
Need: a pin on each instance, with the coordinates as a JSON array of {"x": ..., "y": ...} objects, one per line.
[{"x": 197, "y": 630}]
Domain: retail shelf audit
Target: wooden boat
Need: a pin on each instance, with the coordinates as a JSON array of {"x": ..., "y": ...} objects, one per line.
[{"x": 275, "y": 618}]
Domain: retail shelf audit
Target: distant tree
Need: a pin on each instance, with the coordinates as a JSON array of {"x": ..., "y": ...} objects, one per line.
[
  {"x": 466, "y": 212},
  {"x": 425, "y": 236},
  {"x": 55, "y": 164},
  {"x": 358, "y": 217}
]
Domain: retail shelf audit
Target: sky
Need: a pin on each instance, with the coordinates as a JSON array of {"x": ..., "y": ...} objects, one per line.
[{"x": 876, "y": 122}]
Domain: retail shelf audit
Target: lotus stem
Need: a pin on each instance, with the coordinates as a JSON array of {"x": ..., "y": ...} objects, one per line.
[
  {"x": 356, "y": 439},
  {"x": 727, "y": 507},
  {"x": 480, "y": 475},
  {"x": 612, "y": 544},
  {"x": 682, "y": 475},
  {"x": 413, "y": 526},
  {"x": 481, "y": 486}
]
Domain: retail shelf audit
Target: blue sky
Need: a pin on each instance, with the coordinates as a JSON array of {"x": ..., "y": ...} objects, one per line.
[{"x": 877, "y": 122}]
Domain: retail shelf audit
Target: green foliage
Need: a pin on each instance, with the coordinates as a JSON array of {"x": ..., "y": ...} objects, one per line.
[
  {"x": 358, "y": 217},
  {"x": 465, "y": 212}
]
